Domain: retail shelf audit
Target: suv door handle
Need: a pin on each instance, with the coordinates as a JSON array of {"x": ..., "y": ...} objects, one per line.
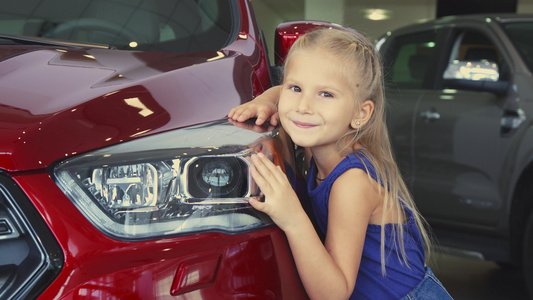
[{"x": 430, "y": 115}]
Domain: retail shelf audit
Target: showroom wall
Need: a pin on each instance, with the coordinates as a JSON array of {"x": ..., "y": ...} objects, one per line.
[{"x": 371, "y": 17}]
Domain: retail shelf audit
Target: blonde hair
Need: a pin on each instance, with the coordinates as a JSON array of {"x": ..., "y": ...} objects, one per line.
[{"x": 362, "y": 62}]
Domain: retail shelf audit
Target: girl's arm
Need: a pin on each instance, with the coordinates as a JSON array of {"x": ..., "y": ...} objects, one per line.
[
  {"x": 263, "y": 107},
  {"x": 327, "y": 271}
]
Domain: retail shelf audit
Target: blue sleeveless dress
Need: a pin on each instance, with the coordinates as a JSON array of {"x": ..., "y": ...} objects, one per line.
[{"x": 400, "y": 279}]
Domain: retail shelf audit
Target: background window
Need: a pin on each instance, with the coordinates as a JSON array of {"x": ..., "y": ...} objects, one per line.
[{"x": 410, "y": 59}]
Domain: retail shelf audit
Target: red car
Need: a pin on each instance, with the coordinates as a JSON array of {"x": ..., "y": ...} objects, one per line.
[{"x": 120, "y": 177}]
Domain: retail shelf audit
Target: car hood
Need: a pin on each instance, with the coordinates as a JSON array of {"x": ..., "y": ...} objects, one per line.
[{"x": 55, "y": 103}]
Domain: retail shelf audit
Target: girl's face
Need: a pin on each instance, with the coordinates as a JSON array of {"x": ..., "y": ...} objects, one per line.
[{"x": 317, "y": 103}]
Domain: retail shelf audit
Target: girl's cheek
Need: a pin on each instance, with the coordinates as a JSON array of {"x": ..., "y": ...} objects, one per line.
[{"x": 282, "y": 105}]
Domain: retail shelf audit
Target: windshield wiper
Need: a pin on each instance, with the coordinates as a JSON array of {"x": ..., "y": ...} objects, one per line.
[{"x": 27, "y": 40}]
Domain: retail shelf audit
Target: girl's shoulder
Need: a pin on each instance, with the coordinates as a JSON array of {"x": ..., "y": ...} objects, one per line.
[
  {"x": 356, "y": 181},
  {"x": 354, "y": 165},
  {"x": 356, "y": 193},
  {"x": 354, "y": 172},
  {"x": 359, "y": 160},
  {"x": 357, "y": 174}
]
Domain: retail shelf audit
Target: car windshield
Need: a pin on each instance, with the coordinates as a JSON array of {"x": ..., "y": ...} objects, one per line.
[
  {"x": 520, "y": 34},
  {"x": 138, "y": 25}
]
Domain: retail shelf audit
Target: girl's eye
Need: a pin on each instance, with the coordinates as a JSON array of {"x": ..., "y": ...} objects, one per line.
[
  {"x": 325, "y": 94},
  {"x": 295, "y": 88}
]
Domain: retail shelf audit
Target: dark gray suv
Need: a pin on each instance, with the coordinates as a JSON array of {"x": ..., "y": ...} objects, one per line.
[{"x": 461, "y": 100}]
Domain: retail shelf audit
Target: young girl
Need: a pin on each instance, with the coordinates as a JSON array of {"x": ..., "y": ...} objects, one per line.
[{"x": 331, "y": 102}]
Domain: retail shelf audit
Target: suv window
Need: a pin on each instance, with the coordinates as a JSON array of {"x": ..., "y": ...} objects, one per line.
[
  {"x": 475, "y": 57},
  {"x": 410, "y": 57},
  {"x": 472, "y": 45},
  {"x": 520, "y": 34},
  {"x": 146, "y": 25}
]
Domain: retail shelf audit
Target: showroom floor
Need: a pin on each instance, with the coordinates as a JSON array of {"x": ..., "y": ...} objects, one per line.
[{"x": 469, "y": 279}]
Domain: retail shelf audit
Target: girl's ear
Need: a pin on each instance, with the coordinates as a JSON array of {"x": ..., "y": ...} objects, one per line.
[{"x": 360, "y": 119}]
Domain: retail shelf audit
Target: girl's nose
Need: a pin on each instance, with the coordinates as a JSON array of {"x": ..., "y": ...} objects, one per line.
[{"x": 304, "y": 105}]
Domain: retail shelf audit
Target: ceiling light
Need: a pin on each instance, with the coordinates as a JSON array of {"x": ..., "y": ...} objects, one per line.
[{"x": 376, "y": 14}]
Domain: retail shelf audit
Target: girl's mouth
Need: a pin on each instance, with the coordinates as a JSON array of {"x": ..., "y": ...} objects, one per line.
[{"x": 303, "y": 124}]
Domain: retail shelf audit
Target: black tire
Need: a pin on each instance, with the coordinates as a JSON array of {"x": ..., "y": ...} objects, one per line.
[{"x": 528, "y": 255}]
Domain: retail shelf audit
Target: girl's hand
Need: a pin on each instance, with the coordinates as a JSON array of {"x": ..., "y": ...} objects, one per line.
[
  {"x": 253, "y": 126},
  {"x": 263, "y": 107},
  {"x": 263, "y": 110},
  {"x": 281, "y": 202},
  {"x": 328, "y": 271}
]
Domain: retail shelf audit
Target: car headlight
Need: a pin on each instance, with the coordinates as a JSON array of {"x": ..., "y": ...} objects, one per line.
[{"x": 189, "y": 180}]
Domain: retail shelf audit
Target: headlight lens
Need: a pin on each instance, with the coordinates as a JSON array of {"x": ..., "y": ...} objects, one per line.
[
  {"x": 170, "y": 184},
  {"x": 217, "y": 177}
]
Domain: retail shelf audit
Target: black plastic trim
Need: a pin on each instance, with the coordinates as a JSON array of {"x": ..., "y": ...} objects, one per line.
[{"x": 55, "y": 259}]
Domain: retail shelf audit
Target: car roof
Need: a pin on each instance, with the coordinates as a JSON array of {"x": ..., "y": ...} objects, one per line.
[{"x": 470, "y": 18}]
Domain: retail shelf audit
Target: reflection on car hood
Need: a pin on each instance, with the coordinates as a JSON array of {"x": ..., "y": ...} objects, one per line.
[{"x": 55, "y": 103}]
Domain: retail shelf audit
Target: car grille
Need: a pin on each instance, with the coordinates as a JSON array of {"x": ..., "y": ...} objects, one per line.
[{"x": 30, "y": 256}]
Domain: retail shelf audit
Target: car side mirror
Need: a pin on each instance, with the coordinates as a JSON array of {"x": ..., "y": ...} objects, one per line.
[{"x": 482, "y": 75}]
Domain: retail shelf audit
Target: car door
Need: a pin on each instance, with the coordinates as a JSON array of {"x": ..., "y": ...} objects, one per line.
[
  {"x": 407, "y": 59},
  {"x": 457, "y": 141}
]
